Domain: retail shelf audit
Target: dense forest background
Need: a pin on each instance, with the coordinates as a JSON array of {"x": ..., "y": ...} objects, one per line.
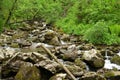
[{"x": 97, "y": 21}]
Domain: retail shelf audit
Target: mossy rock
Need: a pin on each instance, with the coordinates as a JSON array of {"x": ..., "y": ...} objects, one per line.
[
  {"x": 80, "y": 63},
  {"x": 14, "y": 45},
  {"x": 92, "y": 76},
  {"x": 75, "y": 70},
  {"x": 116, "y": 59},
  {"x": 28, "y": 72},
  {"x": 98, "y": 63},
  {"x": 112, "y": 75},
  {"x": 109, "y": 74},
  {"x": 59, "y": 76}
]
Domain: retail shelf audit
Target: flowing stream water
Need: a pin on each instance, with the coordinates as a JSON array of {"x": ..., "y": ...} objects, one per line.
[{"x": 108, "y": 64}]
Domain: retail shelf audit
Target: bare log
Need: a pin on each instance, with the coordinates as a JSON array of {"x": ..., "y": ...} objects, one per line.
[{"x": 54, "y": 57}]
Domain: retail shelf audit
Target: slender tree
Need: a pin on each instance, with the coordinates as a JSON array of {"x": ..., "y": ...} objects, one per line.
[{"x": 10, "y": 12}]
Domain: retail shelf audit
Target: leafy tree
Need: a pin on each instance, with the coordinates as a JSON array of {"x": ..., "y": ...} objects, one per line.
[{"x": 6, "y": 7}]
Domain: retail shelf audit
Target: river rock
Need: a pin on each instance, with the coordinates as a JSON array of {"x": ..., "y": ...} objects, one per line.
[
  {"x": 11, "y": 68},
  {"x": 46, "y": 63},
  {"x": 50, "y": 37},
  {"x": 28, "y": 72},
  {"x": 26, "y": 27},
  {"x": 105, "y": 52},
  {"x": 116, "y": 49},
  {"x": 23, "y": 43},
  {"x": 80, "y": 63},
  {"x": 19, "y": 34},
  {"x": 65, "y": 37},
  {"x": 112, "y": 75},
  {"x": 8, "y": 51},
  {"x": 86, "y": 46},
  {"x": 74, "y": 69},
  {"x": 54, "y": 41},
  {"x": 59, "y": 76},
  {"x": 92, "y": 76},
  {"x": 9, "y": 32},
  {"x": 14, "y": 45},
  {"x": 2, "y": 55},
  {"x": 71, "y": 53},
  {"x": 116, "y": 59},
  {"x": 93, "y": 58}
]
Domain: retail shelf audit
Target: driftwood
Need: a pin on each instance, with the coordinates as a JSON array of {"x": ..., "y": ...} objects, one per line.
[
  {"x": 54, "y": 57},
  {"x": 11, "y": 59}
]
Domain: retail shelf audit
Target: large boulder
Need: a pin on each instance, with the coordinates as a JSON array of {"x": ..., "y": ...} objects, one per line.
[
  {"x": 116, "y": 59},
  {"x": 74, "y": 69},
  {"x": 92, "y": 76},
  {"x": 71, "y": 53},
  {"x": 50, "y": 37},
  {"x": 10, "y": 69},
  {"x": 112, "y": 75},
  {"x": 93, "y": 58},
  {"x": 28, "y": 72}
]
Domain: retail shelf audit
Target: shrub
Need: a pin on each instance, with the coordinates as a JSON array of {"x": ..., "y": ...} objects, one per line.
[
  {"x": 115, "y": 29},
  {"x": 99, "y": 34},
  {"x": 92, "y": 11}
]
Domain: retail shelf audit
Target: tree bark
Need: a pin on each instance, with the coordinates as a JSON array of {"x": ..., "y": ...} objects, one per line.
[{"x": 10, "y": 13}]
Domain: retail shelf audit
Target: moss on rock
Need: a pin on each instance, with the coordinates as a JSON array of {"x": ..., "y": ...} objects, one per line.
[{"x": 28, "y": 72}]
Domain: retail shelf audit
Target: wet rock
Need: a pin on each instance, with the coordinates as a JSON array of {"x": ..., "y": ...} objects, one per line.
[
  {"x": 26, "y": 27},
  {"x": 9, "y": 32},
  {"x": 14, "y": 45},
  {"x": 28, "y": 72},
  {"x": 70, "y": 56},
  {"x": 59, "y": 76},
  {"x": 108, "y": 52},
  {"x": 50, "y": 37},
  {"x": 116, "y": 59},
  {"x": 7, "y": 52},
  {"x": 75, "y": 70},
  {"x": 92, "y": 76},
  {"x": 46, "y": 63},
  {"x": 74, "y": 39},
  {"x": 86, "y": 47},
  {"x": 49, "y": 65},
  {"x": 80, "y": 63},
  {"x": 4, "y": 39},
  {"x": 19, "y": 34},
  {"x": 11, "y": 68},
  {"x": 2, "y": 55},
  {"x": 116, "y": 49},
  {"x": 7, "y": 71},
  {"x": 93, "y": 58},
  {"x": 71, "y": 53},
  {"x": 23, "y": 43},
  {"x": 49, "y": 34},
  {"x": 65, "y": 37},
  {"x": 10, "y": 78},
  {"x": 35, "y": 32},
  {"x": 112, "y": 75},
  {"x": 55, "y": 41}
]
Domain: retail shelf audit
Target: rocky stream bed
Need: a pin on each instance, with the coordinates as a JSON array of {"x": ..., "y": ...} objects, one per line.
[{"x": 23, "y": 58}]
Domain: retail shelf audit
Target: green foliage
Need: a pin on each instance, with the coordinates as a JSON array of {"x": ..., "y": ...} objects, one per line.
[
  {"x": 5, "y": 7},
  {"x": 115, "y": 29},
  {"x": 92, "y": 11},
  {"x": 79, "y": 17},
  {"x": 48, "y": 10},
  {"x": 99, "y": 34},
  {"x": 24, "y": 10},
  {"x": 69, "y": 22}
]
